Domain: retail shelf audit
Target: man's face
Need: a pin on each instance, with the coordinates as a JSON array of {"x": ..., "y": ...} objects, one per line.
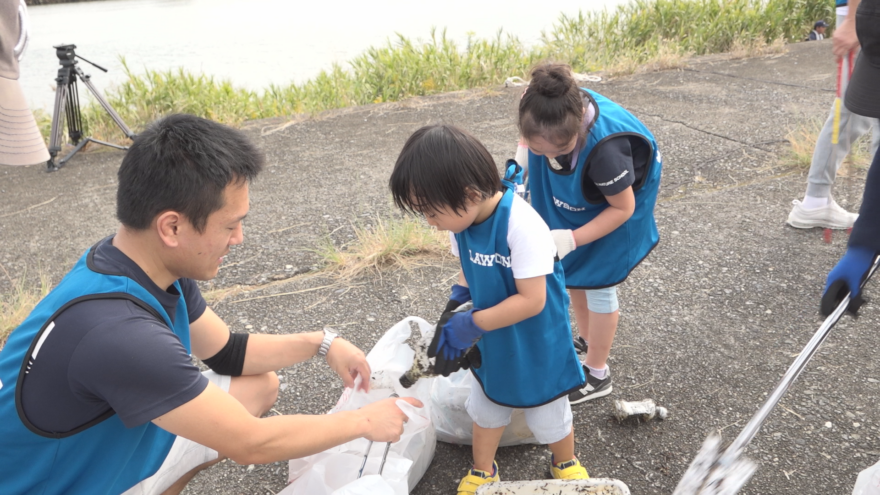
[
  {"x": 820, "y": 29},
  {"x": 203, "y": 252}
]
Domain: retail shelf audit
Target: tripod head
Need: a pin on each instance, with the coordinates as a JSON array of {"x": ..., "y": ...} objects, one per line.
[{"x": 66, "y": 55}]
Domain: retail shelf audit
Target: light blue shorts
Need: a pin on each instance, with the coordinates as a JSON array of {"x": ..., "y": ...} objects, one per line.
[
  {"x": 602, "y": 300},
  {"x": 549, "y": 423}
]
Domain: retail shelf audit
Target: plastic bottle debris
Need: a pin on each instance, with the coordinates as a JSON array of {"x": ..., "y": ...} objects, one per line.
[{"x": 645, "y": 409}]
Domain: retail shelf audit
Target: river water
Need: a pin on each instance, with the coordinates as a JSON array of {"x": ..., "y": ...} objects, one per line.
[{"x": 255, "y": 43}]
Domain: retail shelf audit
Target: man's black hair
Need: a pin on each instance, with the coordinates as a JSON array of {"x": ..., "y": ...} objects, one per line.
[
  {"x": 182, "y": 163},
  {"x": 439, "y": 166}
]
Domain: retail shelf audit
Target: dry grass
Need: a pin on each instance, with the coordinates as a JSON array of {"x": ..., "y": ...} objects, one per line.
[
  {"x": 860, "y": 153},
  {"x": 668, "y": 56},
  {"x": 755, "y": 47},
  {"x": 17, "y": 304},
  {"x": 803, "y": 140},
  {"x": 214, "y": 296},
  {"x": 388, "y": 243}
]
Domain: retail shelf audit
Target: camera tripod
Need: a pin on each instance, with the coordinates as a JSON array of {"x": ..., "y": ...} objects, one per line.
[{"x": 67, "y": 107}]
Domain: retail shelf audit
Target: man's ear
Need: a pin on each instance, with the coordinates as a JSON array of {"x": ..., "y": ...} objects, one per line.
[{"x": 168, "y": 225}]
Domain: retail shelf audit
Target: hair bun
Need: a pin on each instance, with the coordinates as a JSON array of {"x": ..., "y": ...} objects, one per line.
[{"x": 552, "y": 80}]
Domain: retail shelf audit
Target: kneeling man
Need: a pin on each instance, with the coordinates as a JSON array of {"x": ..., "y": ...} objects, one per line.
[{"x": 98, "y": 393}]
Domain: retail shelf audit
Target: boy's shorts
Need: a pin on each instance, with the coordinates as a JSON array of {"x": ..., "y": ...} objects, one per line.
[
  {"x": 184, "y": 456},
  {"x": 602, "y": 301},
  {"x": 549, "y": 423}
]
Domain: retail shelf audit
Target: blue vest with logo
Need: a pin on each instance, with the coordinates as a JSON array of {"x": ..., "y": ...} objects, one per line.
[
  {"x": 102, "y": 457},
  {"x": 532, "y": 362},
  {"x": 560, "y": 199}
]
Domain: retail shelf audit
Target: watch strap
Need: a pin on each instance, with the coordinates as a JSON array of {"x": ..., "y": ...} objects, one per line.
[{"x": 329, "y": 335}]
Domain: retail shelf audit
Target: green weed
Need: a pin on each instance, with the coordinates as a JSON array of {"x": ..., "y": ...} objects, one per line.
[{"x": 643, "y": 33}]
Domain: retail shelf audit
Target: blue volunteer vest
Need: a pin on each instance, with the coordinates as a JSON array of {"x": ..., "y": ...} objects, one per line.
[
  {"x": 560, "y": 199},
  {"x": 532, "y": 362},
  {"x": 102, "y": 457}
]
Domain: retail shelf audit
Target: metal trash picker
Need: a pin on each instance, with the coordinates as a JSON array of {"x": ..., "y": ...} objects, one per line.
[{"x": 715, "y": 473}]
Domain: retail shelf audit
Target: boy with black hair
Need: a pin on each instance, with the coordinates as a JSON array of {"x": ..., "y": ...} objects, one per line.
[
  {"x": 98, "y": 393},
  {"x": 520, "y": 317}
]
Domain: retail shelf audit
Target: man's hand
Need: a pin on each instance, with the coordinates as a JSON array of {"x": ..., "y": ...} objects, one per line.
[
  {"x": 845, "y": 39},
  {"x": 847, "y": 276},
  {"x": 348, "y": 362},
  {"x": 386, "y": 419}
]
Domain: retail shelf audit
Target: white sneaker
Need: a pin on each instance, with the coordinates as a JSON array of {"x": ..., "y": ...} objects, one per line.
[{"x": 830, "y": 216}]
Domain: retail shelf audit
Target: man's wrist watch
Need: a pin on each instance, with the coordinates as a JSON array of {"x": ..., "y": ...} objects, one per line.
[{"x": 329, "y": 335}]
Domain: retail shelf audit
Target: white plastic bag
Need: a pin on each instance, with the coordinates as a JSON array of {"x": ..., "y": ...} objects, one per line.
[
  {"x": 334, "y": 471},
  {"x": 868, "y": 482},
  {"x": 451, "y": 420}
]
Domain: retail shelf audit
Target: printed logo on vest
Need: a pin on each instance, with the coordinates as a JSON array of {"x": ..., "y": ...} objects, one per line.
[
  {"x": 563, "y": 204},
  {"x": 489, "y": 259}
]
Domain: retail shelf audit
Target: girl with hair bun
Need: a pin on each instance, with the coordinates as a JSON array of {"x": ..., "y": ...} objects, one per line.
[{"x": 594, "y": 173}]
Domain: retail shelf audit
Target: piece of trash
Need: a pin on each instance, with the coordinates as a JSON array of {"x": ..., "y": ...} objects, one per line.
[
  {"x": 645, "y": 409},
  {"x": 423, "y": 366}
]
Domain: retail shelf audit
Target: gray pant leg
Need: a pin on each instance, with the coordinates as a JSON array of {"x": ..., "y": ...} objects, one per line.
[{"x": 827, "y": 158}]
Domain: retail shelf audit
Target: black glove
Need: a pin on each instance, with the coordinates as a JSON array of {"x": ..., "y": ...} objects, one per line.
[{"x": 443, "y": 366}]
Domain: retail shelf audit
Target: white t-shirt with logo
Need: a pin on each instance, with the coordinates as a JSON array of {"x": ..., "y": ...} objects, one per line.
[{"x": 532, "y": 250}]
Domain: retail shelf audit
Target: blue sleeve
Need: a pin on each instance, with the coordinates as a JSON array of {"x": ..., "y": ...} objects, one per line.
[
  {"x": 136, "y": 365},
  {"x": 866, "y": 231},
  {"x": 195, "y": 303}
]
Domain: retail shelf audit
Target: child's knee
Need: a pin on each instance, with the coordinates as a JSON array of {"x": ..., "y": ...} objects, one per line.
[
  {"x": 578, "y": 298},
  {"x": 603, "y": 301}
]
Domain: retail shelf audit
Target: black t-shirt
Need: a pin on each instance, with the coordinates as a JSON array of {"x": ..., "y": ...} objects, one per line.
[{"x": 111, "y": 355}]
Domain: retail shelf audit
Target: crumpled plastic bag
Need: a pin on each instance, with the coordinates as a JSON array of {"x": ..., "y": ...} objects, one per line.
[{"x": 334, "y": 471}]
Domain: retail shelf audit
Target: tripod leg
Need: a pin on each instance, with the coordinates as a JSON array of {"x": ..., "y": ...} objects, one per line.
[
  {"x": 86, "y": 79},
  {"x": 78, "y": 147},
  {"x": 57, "y": 123}
]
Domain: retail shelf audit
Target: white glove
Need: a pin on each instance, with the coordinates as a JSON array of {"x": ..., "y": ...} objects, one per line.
[{"x": 565, "y": 242}]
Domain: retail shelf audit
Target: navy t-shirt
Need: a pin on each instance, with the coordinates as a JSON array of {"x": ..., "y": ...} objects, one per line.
[{"x": 106, "y": 355}]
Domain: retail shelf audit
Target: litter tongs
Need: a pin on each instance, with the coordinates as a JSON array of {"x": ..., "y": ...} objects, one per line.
[{"x": 367, "y": 454}]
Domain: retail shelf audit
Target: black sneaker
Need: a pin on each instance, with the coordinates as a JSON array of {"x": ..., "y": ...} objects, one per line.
[
  {"x": 580, "y": 345},
  {"x": 593, "y": 388}
]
